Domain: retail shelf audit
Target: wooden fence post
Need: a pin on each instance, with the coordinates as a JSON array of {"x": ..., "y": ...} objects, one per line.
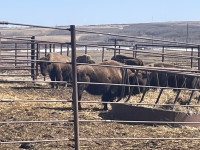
[
  {"x": 33, "y": 57},
  {"x": 75, "y": 87}
]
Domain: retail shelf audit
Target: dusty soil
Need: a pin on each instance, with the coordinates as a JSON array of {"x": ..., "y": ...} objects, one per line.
[
  {"x": 27, "y": 111},
  {"x": 38, "y": 111}
]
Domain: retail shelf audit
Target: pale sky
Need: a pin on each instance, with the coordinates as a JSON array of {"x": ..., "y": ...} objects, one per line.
[{"x": 95, "y": 12}]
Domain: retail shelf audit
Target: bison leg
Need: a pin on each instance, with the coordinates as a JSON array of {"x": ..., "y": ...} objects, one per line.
[
  {"x": 107, "y": 97},
  {"x": 53, "y": 78},
  {"x": 81, "y": 88}
]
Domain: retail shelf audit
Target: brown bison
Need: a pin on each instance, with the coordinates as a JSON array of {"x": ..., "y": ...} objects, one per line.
[
  {"x": 102, "y": 74},
  {"x": 85, "y": 59},
  {"x": 56, "y": 71},
  {"x": 171, "y": 79},
  {"x": 128, "y": 60}
]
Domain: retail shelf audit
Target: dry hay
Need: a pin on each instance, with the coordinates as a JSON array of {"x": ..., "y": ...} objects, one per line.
[
  {"x": 167, "y": 97},
  {"x": 24, "y": 111}
]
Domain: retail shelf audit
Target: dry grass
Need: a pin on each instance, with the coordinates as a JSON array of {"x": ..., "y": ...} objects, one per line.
[{"x": 16, "y": 111}]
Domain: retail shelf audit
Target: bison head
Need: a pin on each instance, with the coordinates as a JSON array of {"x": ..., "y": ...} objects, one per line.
[{"x": 44, "y": 66}]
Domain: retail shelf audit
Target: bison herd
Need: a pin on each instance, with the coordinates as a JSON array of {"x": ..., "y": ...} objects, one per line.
[{"x": 113, "y": 72}]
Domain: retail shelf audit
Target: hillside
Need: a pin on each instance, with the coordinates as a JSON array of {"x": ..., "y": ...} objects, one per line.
[{"x": 174, "y": 31}]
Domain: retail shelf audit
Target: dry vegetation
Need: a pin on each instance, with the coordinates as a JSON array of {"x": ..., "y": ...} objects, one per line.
[{"x": 27, "y": 111}]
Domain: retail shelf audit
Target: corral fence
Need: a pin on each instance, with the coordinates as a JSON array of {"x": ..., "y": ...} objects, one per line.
[
  {"x": 14, "y": 49},
  {"x": 36, "y": 49}
]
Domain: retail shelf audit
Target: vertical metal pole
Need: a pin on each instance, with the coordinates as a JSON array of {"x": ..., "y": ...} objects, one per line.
[
  {"x": 45, "y": 50},
  {"x": 103, "y": 54},
  {"x": 67, "y": 49},
  {"x": 187, "y": 37},
  {"x": 119, "y": 49},
  {"x": 15, "y": 54},
  {"x": 133, "y": 51},
  {"x": 75, "y": 87},
  {"x": 198, "y": 57},
  {"x": 50, "y": 48},
  {"x": 86, "y": 49},
  {"x": 37, "y": 58},
  {"x": 33, "y": 57},
  {"x": 191, "y": 57},
  {"x": 115, "y": 48},
  {"x": 163, "y": 56},
  {"x": 60, "y": 49},
  {"x": 136, "y": 48},
  {"x": 27, "y": 46},
  {"x": 0, "y": 44},
  {"x": 54, "y": 48}
]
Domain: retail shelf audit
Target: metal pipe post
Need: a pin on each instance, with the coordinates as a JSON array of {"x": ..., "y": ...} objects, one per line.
[
  {"x": 37, "y": 58},
  {"x": 115, "y": 48},
  {"x": 50, "y": 48},
  {"x": 102, "y": 54},
  {"x": 191, "y": 57},
  {"x": 199, "y": 57},
  {"x": 45, "y": 49},
  {"x": 15, "y": 54},
  {"x": 0, "y": 44},
  {"x": 85, "y": 49},
  {"x": 163, "y": 56},
  {"x": 33, "y": 57},
  {"x": 136, "y": 48},
  {"x": 61, "y": 46},
  {"x": 67, "y": 49},
  {"x": 75, "y": 87}
]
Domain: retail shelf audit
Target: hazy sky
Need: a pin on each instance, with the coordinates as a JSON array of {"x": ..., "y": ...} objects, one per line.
[{"x": 94, "y": 12}]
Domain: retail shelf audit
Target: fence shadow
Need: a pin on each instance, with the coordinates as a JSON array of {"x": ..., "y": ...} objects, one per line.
[{"x": 56, "y": 108}]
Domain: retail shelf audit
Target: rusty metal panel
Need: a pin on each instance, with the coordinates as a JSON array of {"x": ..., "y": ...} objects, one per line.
[{"x": 136, "y": 113}]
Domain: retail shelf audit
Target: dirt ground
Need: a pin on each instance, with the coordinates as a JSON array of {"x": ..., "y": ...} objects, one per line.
[
  {"x": 27, "y": 111},
  {"x": 38, "y": 111}
]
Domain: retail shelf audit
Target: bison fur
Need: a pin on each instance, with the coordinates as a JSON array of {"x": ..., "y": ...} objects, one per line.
[{"x": 56, "y": 71}]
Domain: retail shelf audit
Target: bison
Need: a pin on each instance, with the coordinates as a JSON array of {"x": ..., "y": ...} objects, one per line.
[
  {"x": 85, "y": 59},
  {"x": 56, "y": 71},
  {"x": 128, "y": 60},
  {"x": 102, "y": 74},
  {"x": 171, "y": 79}
]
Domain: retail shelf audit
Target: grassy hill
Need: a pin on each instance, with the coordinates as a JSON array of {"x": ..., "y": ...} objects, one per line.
[{"x": 174, "y": 31}]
